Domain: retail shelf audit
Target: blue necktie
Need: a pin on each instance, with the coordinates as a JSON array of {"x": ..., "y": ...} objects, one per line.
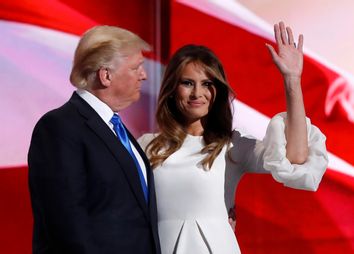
[{"x": 119, "y": 129}]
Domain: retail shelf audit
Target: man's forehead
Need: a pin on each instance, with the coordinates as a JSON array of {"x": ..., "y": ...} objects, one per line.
[
  {"x": 132, "y": 55},
  {"x": 130, "y": 59}
]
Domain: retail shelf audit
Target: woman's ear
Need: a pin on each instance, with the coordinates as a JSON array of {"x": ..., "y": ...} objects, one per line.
[{"x": 105, "y": 76}]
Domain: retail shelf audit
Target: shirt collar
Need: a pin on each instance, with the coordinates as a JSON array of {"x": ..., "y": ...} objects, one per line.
[{"x": 102, "y": 109}]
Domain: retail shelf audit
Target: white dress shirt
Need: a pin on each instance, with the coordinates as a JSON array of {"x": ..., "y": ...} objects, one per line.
[{"x": 106, "y": 113}]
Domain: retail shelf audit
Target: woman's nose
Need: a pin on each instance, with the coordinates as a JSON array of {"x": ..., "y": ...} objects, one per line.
[{"x": 196, "y": 91}]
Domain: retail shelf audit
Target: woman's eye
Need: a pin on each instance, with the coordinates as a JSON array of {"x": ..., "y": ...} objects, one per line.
[
  {"x": 186, "y": 83},
  {"x": 208, "y": 83}
]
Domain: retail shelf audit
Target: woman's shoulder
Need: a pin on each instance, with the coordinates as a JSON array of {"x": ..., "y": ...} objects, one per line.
[{"x": 146, "y": 138}]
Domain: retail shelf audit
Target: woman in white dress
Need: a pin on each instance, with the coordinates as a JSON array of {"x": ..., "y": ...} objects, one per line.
[{"x": 198, "y": 159}]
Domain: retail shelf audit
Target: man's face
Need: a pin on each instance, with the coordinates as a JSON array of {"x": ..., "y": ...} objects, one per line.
[{"x": 126, "y": 80}]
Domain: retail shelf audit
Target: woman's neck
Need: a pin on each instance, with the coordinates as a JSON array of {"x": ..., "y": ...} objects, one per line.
[{"x": 194, "y": 128}]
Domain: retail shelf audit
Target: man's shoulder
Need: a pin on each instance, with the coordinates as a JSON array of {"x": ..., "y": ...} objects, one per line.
[
  {"x": 63, "y": 117},
  {"x": 62, "y": 112}
]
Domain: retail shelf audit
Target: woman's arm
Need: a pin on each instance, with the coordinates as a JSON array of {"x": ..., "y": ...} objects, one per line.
[{"x": 289, "y": 61}]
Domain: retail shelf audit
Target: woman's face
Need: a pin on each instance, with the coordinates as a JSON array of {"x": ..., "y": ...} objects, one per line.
[{"x": 195, "y": 93}]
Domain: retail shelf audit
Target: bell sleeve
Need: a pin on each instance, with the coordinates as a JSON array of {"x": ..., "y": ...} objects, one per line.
[{"x": 306, "y": 176}]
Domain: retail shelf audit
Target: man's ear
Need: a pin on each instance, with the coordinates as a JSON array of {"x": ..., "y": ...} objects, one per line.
[{"x": 105, "y": 76}]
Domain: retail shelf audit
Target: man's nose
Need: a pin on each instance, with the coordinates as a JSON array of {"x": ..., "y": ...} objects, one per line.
[{"x": 143, "y": 74}]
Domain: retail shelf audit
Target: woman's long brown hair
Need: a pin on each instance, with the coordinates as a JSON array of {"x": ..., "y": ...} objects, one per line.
[{"x": 217, "y": 124}]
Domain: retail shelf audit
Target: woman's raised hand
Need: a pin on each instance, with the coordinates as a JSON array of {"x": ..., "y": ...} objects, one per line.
[{"x": 289, "y": 58}]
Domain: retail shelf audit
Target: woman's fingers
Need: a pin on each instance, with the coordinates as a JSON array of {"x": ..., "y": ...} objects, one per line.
[
  {"x": 277, "y": 34},
  {"x": 300, "y": 42},
  {"x": 290, "y": 36},
  {"x": 272, "y": 51},
  {"x": 283, "y": 33}
]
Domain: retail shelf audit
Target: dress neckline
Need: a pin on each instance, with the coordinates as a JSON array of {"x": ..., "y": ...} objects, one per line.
[{"x": 194, "y": 138}]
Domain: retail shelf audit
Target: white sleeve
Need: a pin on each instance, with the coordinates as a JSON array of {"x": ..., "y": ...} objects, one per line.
[
  {"x": 247, "y": 153},
  {"x": 145, "y": 139},
  {"x": 305, "y": 176}
]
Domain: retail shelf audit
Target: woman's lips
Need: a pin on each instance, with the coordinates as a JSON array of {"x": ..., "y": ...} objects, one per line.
[{"x": 195, "y": 103}]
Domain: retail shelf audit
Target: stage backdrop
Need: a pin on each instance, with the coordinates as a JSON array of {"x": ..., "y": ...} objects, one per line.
[{"x": 36, "y": 46}]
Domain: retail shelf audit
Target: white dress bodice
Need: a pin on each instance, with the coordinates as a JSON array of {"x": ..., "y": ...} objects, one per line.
[{"x": 192, "y": 202}]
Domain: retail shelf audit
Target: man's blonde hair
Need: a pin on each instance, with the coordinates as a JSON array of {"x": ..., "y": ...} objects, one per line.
[{"x": 98, "y": 48}]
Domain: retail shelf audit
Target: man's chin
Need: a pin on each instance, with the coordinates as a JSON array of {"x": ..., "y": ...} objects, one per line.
[{"x": 137, "y": 96}]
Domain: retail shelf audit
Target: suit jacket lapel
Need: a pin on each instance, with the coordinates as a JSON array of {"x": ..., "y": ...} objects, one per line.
[
  {"x": 142, "y": 154},
  {"x": 151, "y": 185},
  {"x": 149, "y": 173},
  {"x": 124, "y": 159},
  {"x": 150, "y": 177}
]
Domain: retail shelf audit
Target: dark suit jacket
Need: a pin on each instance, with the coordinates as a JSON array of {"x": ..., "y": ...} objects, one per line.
[{"x": 85, "y": 190}]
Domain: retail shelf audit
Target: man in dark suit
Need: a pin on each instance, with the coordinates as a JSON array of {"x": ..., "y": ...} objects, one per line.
[{"x": 91, "y": 193}]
